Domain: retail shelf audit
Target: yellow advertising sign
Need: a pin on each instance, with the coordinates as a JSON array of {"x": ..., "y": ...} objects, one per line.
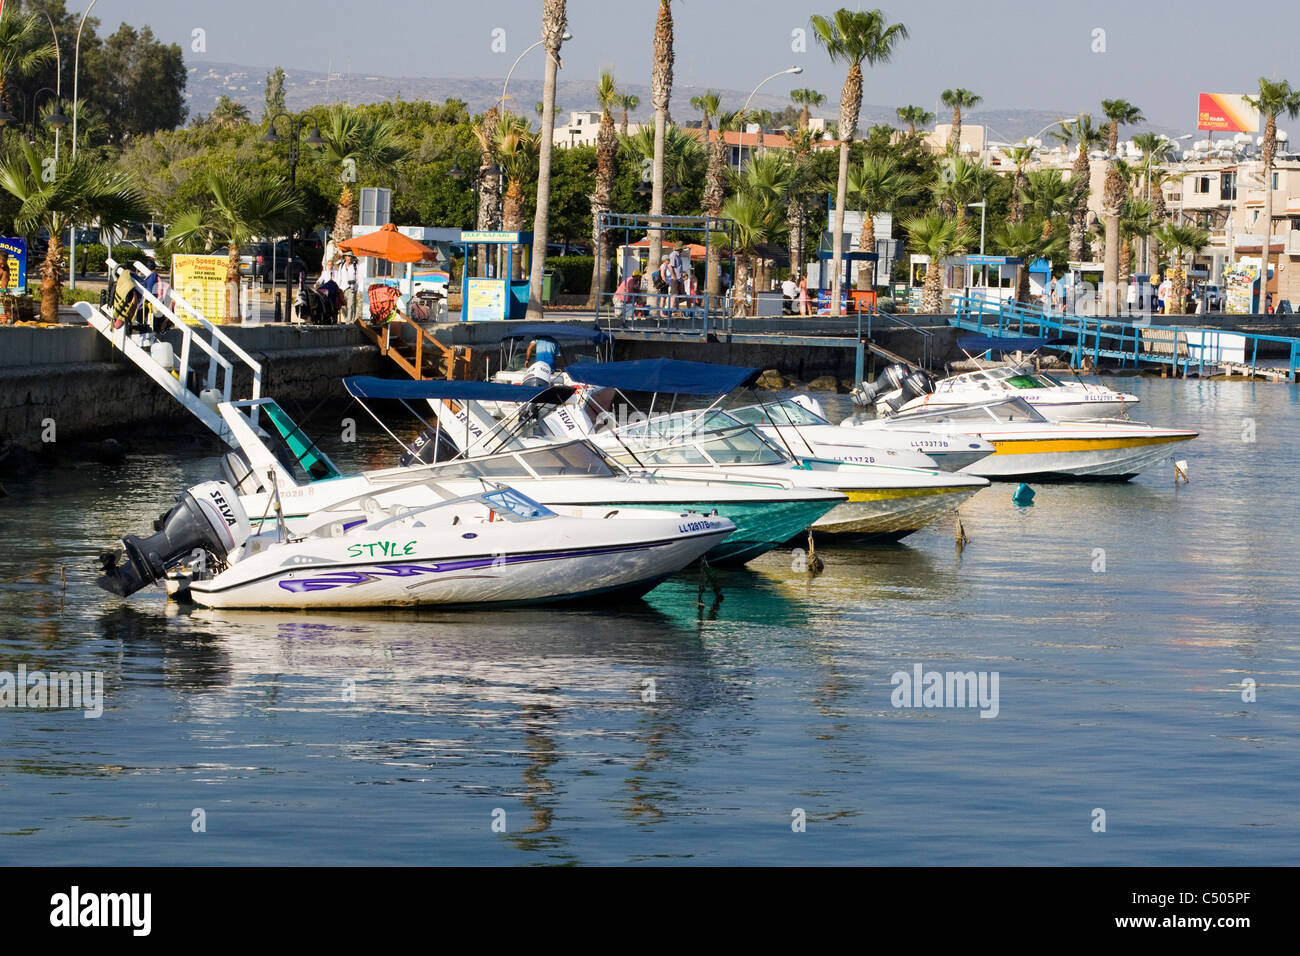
[
  {"x": 201, "y": 280},
  {"x": 485, "y": 299}
]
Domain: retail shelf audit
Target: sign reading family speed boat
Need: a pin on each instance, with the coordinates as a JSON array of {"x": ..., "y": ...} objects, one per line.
[{"x": 202, "y": 281}]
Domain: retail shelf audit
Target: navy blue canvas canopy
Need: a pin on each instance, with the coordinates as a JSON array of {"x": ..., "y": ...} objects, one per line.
[
  {"x": 365, "y": 386},
  {"x": 670, "y": 376},
  {"x": 971, "y": 344},
  {"x": 556, "y": 331}
]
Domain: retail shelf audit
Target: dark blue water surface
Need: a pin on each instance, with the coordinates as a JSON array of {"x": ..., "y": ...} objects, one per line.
[{"x": 1120, "y": 690}]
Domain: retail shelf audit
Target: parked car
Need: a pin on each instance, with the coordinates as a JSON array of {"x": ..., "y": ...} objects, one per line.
[
  {"x": 1212, "y": 294},
  {"x": 257, "y": 259}
]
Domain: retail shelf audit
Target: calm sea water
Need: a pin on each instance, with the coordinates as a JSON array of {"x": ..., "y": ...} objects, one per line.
[{"x": 1119, "y": 690}]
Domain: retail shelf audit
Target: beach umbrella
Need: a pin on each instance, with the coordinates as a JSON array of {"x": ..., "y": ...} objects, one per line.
[{"x": 389, "y": 244}]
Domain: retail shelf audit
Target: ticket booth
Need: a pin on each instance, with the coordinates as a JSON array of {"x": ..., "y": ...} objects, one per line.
[
  {"x": 992, "y": 278},
  {"x": 487, "y": 290}
]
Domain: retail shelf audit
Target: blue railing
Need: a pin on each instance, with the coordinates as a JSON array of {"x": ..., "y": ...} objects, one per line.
[{"x": 1130, "y": 342}]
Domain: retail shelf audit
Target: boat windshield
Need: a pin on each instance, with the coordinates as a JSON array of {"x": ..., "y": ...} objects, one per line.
[
  {"x": 784, "y": 412},
  {"x": 735, "y": 446},
  {"x": 508, "y": 502},
  {"x": 984, "y": 414},
  {"x": 575, "y": 459},
  {"x": 679, "y": 426}
]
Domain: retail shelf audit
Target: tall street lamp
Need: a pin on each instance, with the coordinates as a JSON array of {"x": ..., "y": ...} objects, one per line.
[
  {"x": 76, "y": 66},
  {"x": 744, "y": 110},
  {"x": 567, "y": 36},
  {"x": 314, "y": 139}
]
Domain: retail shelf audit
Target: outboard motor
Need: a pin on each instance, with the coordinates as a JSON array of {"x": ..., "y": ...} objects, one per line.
[
  {"x": 431, "y": 447},
  {"x": 207, "y": 517},
  {"x": 889, "y": 379},
  {"x": 914, "y": 385},
  {"x": 538, "y": 375}
]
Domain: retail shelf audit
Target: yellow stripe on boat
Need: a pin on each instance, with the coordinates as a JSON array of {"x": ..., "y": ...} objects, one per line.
[
  {"x": 889, "y": 494},
  {"x": 1036, "y": 446}
]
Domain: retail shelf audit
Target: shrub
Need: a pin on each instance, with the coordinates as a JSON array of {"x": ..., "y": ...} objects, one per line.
[{"x": 572, "y": 273}]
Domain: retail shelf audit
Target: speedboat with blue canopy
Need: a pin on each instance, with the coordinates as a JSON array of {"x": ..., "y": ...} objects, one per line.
[
  {"x": 766, "y": 512},
  {"x": 799, "y": 429}
]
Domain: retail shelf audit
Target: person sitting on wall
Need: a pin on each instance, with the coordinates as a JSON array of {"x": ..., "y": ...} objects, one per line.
[{"x": 627, "y": 294}]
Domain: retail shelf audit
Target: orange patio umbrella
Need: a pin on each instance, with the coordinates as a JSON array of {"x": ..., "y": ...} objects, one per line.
[{"x": 389, "y": 244}]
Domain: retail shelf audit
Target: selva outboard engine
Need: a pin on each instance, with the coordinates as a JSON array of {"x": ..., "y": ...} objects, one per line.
[
  {"x": 207, "y": 518},
  {"x": 890, "y": 378},
  {"x": 914, "y": 385}
]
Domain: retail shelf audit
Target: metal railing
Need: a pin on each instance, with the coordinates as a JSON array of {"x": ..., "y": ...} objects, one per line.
[{"x": 1113, "y": 338}]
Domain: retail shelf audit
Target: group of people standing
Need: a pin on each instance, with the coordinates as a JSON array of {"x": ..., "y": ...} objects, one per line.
[{"x": 671, "y": 286}]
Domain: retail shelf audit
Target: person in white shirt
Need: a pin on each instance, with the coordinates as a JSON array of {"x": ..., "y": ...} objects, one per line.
[{"x": 789, "y": 289}]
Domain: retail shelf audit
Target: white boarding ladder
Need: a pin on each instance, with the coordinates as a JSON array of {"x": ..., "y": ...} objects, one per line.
[{"x": 175, "y": 378}]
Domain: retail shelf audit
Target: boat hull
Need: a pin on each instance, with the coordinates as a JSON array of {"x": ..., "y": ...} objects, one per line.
[
  {"x": 891, "y": 513},
  {"x": 559, "y": 573},
  {"x": 1073, "y": 459}
]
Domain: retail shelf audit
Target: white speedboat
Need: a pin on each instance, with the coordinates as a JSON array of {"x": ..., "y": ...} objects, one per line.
[
  {"x": 1028, "y": 446},
  {"x": 301, "y": 481},
  {"x": 495, "y": 547},
  {"x": 1056, "y": 399},
  {"x": 883, "y": 501},
  {"x": 801, "y": 426}
]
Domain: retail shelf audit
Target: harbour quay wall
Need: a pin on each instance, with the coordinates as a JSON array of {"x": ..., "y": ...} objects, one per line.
[{"x": 74, "y": 377}]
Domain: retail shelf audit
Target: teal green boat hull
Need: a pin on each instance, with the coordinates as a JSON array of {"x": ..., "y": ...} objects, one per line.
[{"x": 760, "y": 525}]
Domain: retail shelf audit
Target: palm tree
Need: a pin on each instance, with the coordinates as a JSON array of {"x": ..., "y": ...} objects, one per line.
[
  {"x": 81, "y": 191},
  {"x": 21, "y": 54},
  {"x": 957, "y": 100},
  {"x": 517, "y": 151},
  {"x": 1021, "y": 156},
  {"x": 1134, "y": 224},
  {"x": 1181, "y": 240},
  {"x": 606, "y": 149},
  {"x": 626, "y": 102},
  {"x": 962, "y": 183},
  {"x": 1084, "y": 135},
  {"x": 553, "y": 24},
  {"x": 807, "y": 99},
  {"x": 750, "y": 223},
  {"x": 484, "y": 129},
  {"x": 1156, "y": 150},
  {"x": 938, "y": 237},
  {"x": 767, "y": 177},
  {"x": 715, "y": 176},
  {"x": 1275, "y": 97},
  {"x": 853, "y": 38},
  {"x": 228, "y": 114},
  {"x": 805, "y": 187},
  {"x": 1119, "y": 112},
  {"x": 879, "y": 185},
  {"x": 1045, "y": 196},
  {"x": 352, "y": 139},
  {"x": 914, "y": 116},
  {"x": 241, "y": 208},
  {"x": 1024, "y": 241},
  {"x": 661, "y": 89}
]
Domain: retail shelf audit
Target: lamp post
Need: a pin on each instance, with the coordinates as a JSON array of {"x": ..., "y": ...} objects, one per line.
[
  {"x": 567, "y": 36},
  {"x": 744, "y": 110},
  {"x": 314, "y": 139},
  {"x": 76, "y": 66}
]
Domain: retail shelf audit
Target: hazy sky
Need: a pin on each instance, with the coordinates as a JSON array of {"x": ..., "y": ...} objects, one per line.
[{"x": 1016, "y": 53}]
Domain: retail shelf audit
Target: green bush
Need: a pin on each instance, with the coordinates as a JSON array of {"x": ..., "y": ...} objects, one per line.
[
  {"x": 91, "y": 258},
  {"x": 573, "y": 273},
  {"x": 70, "y": 296}
]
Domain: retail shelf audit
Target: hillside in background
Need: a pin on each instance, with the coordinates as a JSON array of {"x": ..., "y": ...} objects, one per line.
[{"x": 246, "y": 84}]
